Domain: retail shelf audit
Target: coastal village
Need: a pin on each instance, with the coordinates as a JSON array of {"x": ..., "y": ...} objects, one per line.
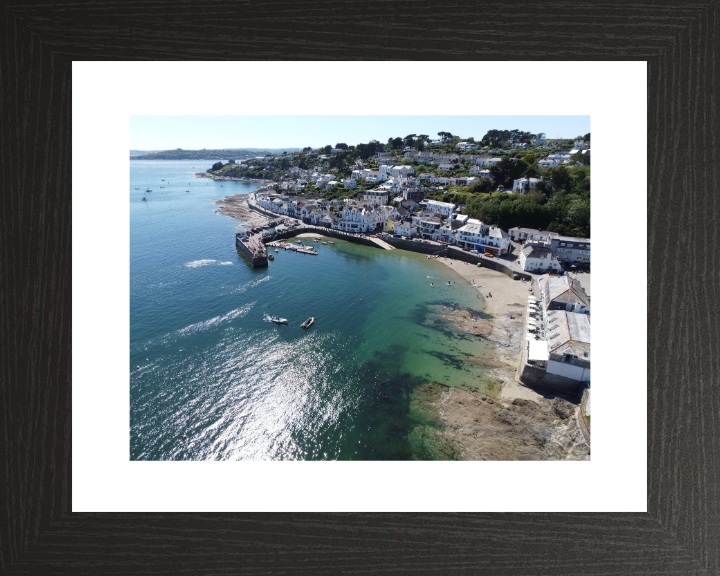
[{"x": 426, "y": 196}]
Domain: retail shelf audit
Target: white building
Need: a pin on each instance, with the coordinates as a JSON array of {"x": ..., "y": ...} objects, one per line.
[
  {"x": 396, "y": 171},
  {"x": 405, "y": 228},
  {"x": 549, "y": 162},
  {"x": 538, "y": 259},
  {"x": 444, "y": 208},
  {"x": 568, "y": 339},
  {"x": 356, "y": 218},
  {"x": 563, "y": 293},
  {"x": 475, "y": 234},
  {"x": 446, "y": 167},
  {"x": 376, "y": 197},
  {"x": 579, "y": 144},
  {"x": 528, "y": 234},
  {"x": 523, "y": 185}
]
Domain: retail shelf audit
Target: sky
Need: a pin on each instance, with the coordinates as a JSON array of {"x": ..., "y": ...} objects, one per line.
[{"x": 215, "y": 132}]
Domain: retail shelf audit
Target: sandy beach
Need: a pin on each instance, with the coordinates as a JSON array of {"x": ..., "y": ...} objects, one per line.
[
  {"x": 509, "y": 298},
  {"x": 520, "y": 423}
]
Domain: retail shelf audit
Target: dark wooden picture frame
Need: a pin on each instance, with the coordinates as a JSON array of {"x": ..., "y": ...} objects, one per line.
[{"x": 680, "y": 533}]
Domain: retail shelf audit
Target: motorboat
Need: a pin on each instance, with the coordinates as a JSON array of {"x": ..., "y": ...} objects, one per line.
[
  {"x": 307, "y": 323},
  {"x": 331, "y": 242},
  {"x": 324, "y": 242},
  {"x": 276, "y": 250},
  {"x": 298, "y": 241},
  {"x": 144, "y": 197},
  {"x": 271, "y": 257},
  {"x": 278, "y": 320}
]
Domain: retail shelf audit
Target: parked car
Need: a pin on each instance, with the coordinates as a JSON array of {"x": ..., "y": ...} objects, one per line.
[
  {"x": 466, "y": 249},
  {"x": 474, "y": 252},
  {"x": 488, "y": 254}
]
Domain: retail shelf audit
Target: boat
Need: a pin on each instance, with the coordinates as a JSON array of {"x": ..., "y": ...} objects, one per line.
[
  {"x": 276, "y": 250},
  {"x": 271, "y": 257},
  {"x": 324, "y": 242},
  {"x": 137, "y": 188},
  {"x": 331, "y": 242},
  {"x": 307, "y": 323},
  {"x": 148, "y": 190},
  {"x": 278, "y": 320},
  {"x": 144, "y": 197},
  {"x": 298, "y": 241}
]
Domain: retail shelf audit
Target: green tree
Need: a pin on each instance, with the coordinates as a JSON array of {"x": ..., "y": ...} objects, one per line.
[
  {"x": 327, "y": 149},
  {"x": 341, "y": 146},
  {"x": 507, "y": 170}
]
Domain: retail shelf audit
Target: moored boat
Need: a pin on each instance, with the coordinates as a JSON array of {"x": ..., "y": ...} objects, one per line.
[{"x": 271, "y": 257}]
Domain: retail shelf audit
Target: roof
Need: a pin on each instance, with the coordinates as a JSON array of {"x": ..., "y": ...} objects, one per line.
[
  {"x": 568, "y": 333},
  {"x": 564, "y": 289},
  {"x": 443, "y": 204},
  {"x": 572, "y": 239},
  {"x": 534, "y": 251},
  {"x": 532, "y": 230},
  {"x": 538, "y": 350}
]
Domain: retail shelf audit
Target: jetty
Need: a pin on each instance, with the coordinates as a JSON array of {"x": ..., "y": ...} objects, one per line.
[
  {"x": 295, "y": 248},
  {"x": 253, "y": 251}
]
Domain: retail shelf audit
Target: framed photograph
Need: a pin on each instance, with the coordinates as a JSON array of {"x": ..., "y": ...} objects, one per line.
[{"x": 75, "y": 499}]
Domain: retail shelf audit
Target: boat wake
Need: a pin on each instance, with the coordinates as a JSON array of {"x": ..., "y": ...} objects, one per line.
[
  {"x": 197, "y": 327},
  {"x": 198, "y": 263},
  {"x": 244, "y": 287},
  {"x": 207, "y": 324}
]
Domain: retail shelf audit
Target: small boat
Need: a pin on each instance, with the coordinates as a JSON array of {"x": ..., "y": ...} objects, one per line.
[
  {"x": 187, "y": 190},
  {"x": 271, "y": 257},
  {"x": 163, "y": 180},
  {"x": 278, "y": 320},
  {"x": 298, "y": 241},
  {"x": 331, "y": 242},
  {"x": 307, "y": 323},
  {"x": 148, "y": 190},
  {"x": 137, "y": 188},
  {"x": 144, "y": 197},
  {"x": 325, "y": 243},
  {"x": 276, "y": 250}
]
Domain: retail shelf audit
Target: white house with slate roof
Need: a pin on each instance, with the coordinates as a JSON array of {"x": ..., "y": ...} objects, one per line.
[
  {"x": 478, "y": 235},
  {"x": 539, "y": 259},
  {"x": 443, "y": 208}
]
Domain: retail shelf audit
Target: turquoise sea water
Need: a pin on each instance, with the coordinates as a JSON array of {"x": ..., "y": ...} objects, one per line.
[{"x": 205, "y": 362}]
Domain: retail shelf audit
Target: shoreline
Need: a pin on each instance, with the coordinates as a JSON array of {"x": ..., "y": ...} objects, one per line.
[
  {"x": 516, "y": 424},
  {"x": 234, "y": 178}
]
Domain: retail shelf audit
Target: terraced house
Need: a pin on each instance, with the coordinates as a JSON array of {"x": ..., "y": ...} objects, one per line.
[{"x": 475, "y": 234}]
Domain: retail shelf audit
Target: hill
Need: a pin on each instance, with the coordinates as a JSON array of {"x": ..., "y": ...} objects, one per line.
[{"x": 204, "y": 154}]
